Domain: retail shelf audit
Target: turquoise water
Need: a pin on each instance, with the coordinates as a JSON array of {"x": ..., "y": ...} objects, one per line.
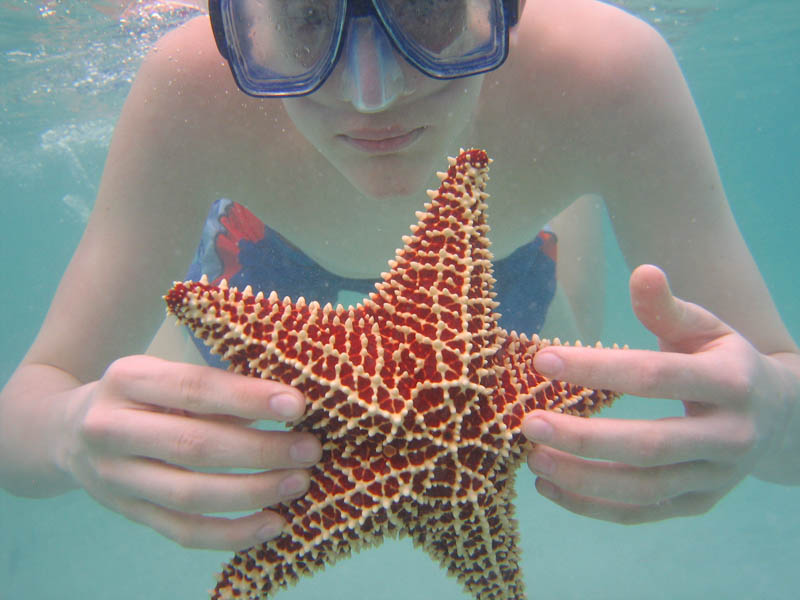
[{"x": 65, "y": 71}]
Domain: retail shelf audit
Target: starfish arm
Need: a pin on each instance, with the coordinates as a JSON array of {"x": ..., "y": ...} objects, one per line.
[
  {"x": 323, "y": 528},
  {"x": 264, "y": 336},
  {"x": 332, "y": 355},
  {"x": 476, "y": 540},
  {"x": 524, "y": 390},
  {"x": 440, "y": 282}
]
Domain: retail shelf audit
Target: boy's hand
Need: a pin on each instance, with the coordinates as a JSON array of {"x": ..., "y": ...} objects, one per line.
[
  {"x": 152, "y": 440},
  {"x": 736, "y": 403}
]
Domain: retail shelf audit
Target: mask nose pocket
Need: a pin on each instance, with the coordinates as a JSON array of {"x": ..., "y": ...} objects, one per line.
[{"x": 372, "y": 78}]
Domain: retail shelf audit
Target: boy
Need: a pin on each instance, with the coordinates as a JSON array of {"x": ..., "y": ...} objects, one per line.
[{"x": 590, "y": 102}]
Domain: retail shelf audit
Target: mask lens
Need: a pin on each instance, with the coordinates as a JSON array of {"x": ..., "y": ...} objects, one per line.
[
  {"x": 447, "y": 38},
  {"x": 285, "y": 45},
  {"x": 289, "y": 47}
]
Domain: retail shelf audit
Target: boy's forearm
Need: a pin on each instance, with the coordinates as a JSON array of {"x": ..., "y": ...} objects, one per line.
[{"x": 35, "y": 409}]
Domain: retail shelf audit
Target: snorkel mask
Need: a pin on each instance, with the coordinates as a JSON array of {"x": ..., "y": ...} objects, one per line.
[{"x": 278, "y": 48}]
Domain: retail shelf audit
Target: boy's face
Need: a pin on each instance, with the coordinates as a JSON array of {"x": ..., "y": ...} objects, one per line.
[
  {"x": 385, "y": 148},
  {"x": 379, "y": 120},
  {"x": 388, "y": 151}
]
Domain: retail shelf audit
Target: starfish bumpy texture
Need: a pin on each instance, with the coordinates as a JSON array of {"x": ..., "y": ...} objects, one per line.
[{"x": 417, "y": 395}]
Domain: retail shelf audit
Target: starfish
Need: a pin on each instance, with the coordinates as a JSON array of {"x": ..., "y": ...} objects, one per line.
[{"x": 417, "y": 395}]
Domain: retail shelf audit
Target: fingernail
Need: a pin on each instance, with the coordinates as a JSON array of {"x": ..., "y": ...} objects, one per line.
[
  {"x": 537, "y": 429},
  {"x": 293, "y": 485},
  {"x": 306, "y": 451},
  {"x": 541, "y": 463},
  {"x": 548, "y": 364},
  {"x": 271, "y": 529},
  {"x": 287, "y": 406}
]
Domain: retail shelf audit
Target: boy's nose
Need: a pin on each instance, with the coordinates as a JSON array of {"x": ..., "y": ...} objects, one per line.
[{"x": 373, "y": 78}]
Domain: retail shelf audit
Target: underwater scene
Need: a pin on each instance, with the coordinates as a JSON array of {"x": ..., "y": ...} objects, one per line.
[{"x": 66, "y": 69}]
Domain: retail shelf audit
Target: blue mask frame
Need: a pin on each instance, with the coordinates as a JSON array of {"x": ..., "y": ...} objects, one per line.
[{"x": 507, "y": 13}]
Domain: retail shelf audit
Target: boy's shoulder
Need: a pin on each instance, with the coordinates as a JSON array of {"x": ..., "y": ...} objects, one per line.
[
  {"x": 186, "y": 86},
  {"x": 186, "y": 59},
  {"x": 590, "y": 42}
]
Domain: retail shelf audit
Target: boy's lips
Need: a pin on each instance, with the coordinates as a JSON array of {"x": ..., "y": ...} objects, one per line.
[{"x": 379, "y": 141}]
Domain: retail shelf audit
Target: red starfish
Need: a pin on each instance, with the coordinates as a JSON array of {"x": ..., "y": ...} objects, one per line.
[{"x": 417, "y": 395}]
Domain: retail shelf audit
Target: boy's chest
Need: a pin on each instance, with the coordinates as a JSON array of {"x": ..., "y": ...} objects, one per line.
[{"x": 354, "y": 236}]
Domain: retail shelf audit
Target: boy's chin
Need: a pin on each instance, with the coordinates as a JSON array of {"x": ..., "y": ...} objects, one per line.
[{"x": 391, "y": 175}]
